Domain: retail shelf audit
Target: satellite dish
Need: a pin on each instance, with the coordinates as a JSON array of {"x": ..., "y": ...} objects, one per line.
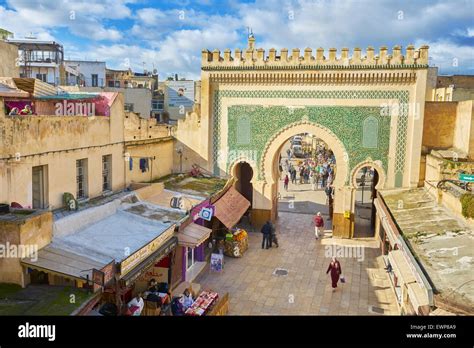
[{"x": 155, "y": 71}]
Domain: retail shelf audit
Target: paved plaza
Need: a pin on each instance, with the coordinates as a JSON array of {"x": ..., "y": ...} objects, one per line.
[{"x": 306, "y": 290}]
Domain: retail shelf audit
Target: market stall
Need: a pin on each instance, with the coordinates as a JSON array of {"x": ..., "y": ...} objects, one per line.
[
  {"x": 209, "y": 303},
  {"x": 236, "y": 242}
]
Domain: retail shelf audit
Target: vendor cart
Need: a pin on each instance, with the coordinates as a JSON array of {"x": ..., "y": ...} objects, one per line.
[{"x": 236, "y": 243}]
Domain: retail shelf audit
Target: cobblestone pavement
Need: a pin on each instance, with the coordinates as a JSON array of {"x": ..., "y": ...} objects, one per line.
[{"x": 306, "y": 290}]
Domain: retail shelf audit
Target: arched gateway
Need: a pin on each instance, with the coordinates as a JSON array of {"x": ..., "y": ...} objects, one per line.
[{"x": 369, "y": 110}]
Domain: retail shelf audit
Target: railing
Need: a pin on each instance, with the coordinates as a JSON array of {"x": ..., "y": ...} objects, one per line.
[{"x": 81, "y": 81}]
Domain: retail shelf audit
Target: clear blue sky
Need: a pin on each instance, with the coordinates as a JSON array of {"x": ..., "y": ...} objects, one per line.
[{"x": 169, "y": 35}]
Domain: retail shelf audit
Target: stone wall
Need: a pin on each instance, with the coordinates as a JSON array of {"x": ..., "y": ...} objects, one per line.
[
  {"x": 139, "y": 128},
  {"x": 254, "y": 58},
  {"x": 439, "y": 125},
  {"x": 35, "y": 230},
  {"x": 160, "y": 158},
  {"x": 57, "y": 142},
  {"x": 464, "y": 128},
  {"x": 8, "y": 60},
  {"x": 193, "y": 138}
]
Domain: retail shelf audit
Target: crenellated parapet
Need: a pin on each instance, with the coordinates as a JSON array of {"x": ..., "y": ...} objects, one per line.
[{"x": 257, "y": 59}]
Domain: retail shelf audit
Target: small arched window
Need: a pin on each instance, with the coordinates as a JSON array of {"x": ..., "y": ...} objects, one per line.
[
  {"x": 243, "y": 131},
  {"x": 370, "y": 132}
]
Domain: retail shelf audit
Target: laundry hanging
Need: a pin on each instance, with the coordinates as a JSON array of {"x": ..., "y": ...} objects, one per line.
[{"x": 144, "y": 164}]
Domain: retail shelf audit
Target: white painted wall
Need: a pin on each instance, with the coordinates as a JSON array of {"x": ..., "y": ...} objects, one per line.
[
  {"x": 88, "y": 68},
  {"x": 51, "y": 73}
]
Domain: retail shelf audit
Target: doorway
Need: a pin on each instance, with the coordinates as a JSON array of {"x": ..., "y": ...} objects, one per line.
[
  {"x": 39, "y": 187},
  {"x": 38, "y": 277},
  {"x": 310, "y": 166},
  {"x": 244, "y": 174},
  {"x": 367, "y": 179}
]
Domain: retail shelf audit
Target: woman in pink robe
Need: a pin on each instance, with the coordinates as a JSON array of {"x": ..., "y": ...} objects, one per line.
[{"x": 335, "y": 268}]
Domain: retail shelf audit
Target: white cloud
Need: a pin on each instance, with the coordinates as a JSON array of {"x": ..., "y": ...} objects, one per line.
[
  {"x": 451, "y": 57},
  {"x": 162, "y": 36},
  {"x": 82, "y": 18}
]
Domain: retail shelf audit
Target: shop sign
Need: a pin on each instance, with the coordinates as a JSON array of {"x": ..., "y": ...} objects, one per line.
[
  {"x": 98, "y": 277},
  {"x": 160, "y": 274},
  {"x": 217, "y": 262},
  {"x": 140, "y": 255},
  {"x": 108, "y": 272},
  {"x": 206, "y": 214}
]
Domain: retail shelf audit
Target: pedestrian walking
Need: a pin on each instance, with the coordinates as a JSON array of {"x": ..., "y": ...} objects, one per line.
[
  {"x": 272, "y": 238},
  {"x": 293, "y": 175},
  {"x": 328, "y": 191},
  {"x": 285, "y": 182},
  {"x": 318, "y": 224},
  {"x": 325, "y": 177},
  {"x": 336, "y": 271},
  {"x": 267, "y": 234}
]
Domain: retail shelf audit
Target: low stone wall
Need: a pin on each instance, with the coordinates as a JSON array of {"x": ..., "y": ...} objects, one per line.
[
  {"x": 82, "y": 219},
  {"x": 147, "y": 191}
]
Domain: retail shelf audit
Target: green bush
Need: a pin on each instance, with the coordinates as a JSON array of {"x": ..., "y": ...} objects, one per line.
[{"x": 467, "y": 202}]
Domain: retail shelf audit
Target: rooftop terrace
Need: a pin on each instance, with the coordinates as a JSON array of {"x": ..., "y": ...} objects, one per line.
[
  {"x": 197, "y": 186},
  {"x": 442, "y": 243}
]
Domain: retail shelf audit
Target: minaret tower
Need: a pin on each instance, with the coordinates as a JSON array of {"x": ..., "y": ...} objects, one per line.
[{"x": 251, "y": 40}]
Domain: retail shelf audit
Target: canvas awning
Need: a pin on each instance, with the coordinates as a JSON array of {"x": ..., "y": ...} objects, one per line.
[
  {"x": 193, "y": 235},
  {"x": 230, "y": 207},
  {"x": 62, "y": 262},
  {"x": 9, "y": 89},
  {"x": 35, "y": 87},
  {"x": 401, "y": 267}
]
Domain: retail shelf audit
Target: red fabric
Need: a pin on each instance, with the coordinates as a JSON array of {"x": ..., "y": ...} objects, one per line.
[
  {"x": 133, "y": 309},
  {"x": 318, "y": 221},
  {"x": 165, "y": 262},
  {"x": 336, "y": 271}
]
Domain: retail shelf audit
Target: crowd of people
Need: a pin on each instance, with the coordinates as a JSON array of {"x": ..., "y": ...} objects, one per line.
[{"x": 319, "y": 171}]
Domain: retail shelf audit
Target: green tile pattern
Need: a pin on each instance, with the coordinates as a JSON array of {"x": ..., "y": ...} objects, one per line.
[{"x": 345, "y": 122}]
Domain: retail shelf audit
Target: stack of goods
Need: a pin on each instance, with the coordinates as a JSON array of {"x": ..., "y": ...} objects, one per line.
[
  {"x": 236, "y": 245},
  {"x": 203, "y": 303}
]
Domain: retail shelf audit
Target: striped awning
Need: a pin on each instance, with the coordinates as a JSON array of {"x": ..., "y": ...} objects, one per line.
[{"x": 193, "y": 235}]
